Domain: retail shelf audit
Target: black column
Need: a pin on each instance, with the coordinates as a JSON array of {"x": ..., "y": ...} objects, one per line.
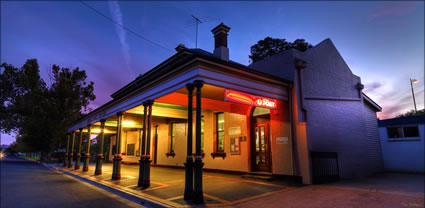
[
  {"x": 78, "y": 159},
  {"x": 142, "y": 150},
  {"x": 65, "y": 158},
  {"x": 71, "y": 153},
  {"x": 116, "y": 170},
  {"x": 100, "y": 157},
  {"x": 188, "y": 188},
  {"x": 147, "y": 165},
  {"x": 87, "y": 155},
  {"x": 198, "y": 193}
]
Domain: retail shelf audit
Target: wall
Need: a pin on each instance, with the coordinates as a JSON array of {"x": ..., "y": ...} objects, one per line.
[{"x": 405, "y": 155}]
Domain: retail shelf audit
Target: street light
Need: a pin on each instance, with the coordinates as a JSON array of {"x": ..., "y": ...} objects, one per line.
[{"x": 412, "y": 81}]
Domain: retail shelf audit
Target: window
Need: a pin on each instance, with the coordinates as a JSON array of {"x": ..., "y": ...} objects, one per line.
[
  {"x": 130, "y": 149},
  {"x": 202, "y": 133},
  {"x": 401, "y": 132},
  {"x": 173, "y": 136},
  {"x": 394, "y": 132},
  {"x": 411, "y": 131},
  {"x": 220, "y": 132}
]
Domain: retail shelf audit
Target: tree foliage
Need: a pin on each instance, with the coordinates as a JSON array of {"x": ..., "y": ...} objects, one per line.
[
  {"x": 412, "y": 113},
  {"x": 36, "y": 112},
  {"x": 271, "y": 46}
]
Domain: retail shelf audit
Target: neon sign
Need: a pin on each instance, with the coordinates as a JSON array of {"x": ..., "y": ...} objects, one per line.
[{"x": 240, "y": 97}]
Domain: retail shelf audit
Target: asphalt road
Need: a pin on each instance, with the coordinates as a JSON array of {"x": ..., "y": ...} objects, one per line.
[{"x": 28, "y": 184}]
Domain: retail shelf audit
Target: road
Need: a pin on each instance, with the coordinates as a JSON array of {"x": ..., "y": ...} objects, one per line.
[{"x": 28, "y": 184}]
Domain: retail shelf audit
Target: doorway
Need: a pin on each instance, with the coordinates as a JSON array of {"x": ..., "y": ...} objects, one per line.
[{"x": 260, "y": 134}]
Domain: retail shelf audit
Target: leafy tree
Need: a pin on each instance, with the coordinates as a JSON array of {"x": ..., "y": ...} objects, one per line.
[
  {"x": 412, "y": 113},
  {"x": 39, "y": 113},
  {"x": 271, "y": 46}
]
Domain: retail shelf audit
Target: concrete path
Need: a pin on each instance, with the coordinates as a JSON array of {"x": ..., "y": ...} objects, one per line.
[
  {"x": 28, "y": 184},
  {"x": 167, "y": 185},
  {"x": 383, "y": 190}
]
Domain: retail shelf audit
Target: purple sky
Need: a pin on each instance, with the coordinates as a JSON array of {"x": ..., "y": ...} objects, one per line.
[{"x": 382, "y": 42}]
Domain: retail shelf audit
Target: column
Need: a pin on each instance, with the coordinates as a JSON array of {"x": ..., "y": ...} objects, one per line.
[
  {"x": 78, "y": 159},
  {"x": 71, "y": 153},
  {"x": 147, "y": 165},
  {"x": 116, "y": 170},
  {"x": 198, "y": 196},
  {"x": 99, "y": 156},
  {"x": 87, "y": 155},
  {"x": 142, "y": 150},
  {"x": 65, "y": 158},
  {"x": 188, "y": 185}
]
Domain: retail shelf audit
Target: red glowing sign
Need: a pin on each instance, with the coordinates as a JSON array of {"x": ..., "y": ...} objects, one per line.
[{"x": 244, "y": 98}]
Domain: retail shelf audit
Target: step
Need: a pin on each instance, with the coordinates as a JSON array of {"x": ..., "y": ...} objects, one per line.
[{"x": 258, "y": 177}]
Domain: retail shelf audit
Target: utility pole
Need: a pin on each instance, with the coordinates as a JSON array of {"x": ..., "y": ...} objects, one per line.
[{"x": 413, "y": 93}]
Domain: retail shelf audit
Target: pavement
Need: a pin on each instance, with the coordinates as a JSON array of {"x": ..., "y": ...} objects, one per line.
[
  {"x": 167, "y": 185},
  {"x": 25, "y": 184},
  {"x": 220, "y": 190},
  {"x": 386, "y": 190}
]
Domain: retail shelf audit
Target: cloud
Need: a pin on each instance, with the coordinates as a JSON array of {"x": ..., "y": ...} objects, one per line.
[
  {"x": 370, "y": 87},
  {"x": 115, "y": 10},
  {"x": 392, "y": 9}
]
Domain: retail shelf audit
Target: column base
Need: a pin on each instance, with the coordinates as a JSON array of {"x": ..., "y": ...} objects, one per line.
[
  {"x": 116, "y": 174},
  {"x": 71, "y": 156},
  {"x": 198, "y": 196},
  {"x": 77, "y": 162},
  {"x": 141, "y": 171},
  {"x": 146, "y": 174},
  {"x": 65, "y": 160},
  {"x": 86, "y": 162},
  {"x": 99, "y": 161},
  {"x": 188, "y": 189}
]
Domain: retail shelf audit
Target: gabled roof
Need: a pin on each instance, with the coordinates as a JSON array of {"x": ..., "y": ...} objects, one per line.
[{"x": 371, "y": 102}]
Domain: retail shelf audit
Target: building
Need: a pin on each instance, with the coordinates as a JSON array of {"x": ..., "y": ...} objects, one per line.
[
  {"x": 402, "y": 141},
  {"x": 267, "y": 117}
]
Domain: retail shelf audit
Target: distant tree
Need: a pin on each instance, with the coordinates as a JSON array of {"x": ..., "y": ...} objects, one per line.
[
  {"x": 39, "y": 113},
  {"x": 412, "y": 113},
  {"x": 271, "y": 46}
]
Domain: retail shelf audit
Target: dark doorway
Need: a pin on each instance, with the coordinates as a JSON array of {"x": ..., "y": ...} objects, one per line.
[{"x": 260, "y": 131}]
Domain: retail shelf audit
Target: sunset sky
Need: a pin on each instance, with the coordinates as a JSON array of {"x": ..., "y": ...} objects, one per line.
[{"x": 382, "y": 42}]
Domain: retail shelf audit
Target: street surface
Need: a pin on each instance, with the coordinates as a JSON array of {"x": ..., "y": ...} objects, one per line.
[{"x": 28, "y": 184}]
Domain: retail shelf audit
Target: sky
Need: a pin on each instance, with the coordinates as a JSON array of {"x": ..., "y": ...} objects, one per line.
[{"x": 382, "y": 42}]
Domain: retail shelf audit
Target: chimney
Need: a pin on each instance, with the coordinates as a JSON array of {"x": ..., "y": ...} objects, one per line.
[
  {"x": 220, "y": 39},
  {"x": 180, "y": 47}
]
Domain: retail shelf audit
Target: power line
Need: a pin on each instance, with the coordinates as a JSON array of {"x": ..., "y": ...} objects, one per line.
[{"x": 125, "y": 28}]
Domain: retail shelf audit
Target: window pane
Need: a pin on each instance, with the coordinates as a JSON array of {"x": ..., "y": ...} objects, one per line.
[
  {"x": 202, "y": 133},
  {"x": 263, "y": 146},
  {"x": 220, "y": 146},
  {"x": 130, "y": 149},
  {"x": 394, "y": 132},
  {"x": 220, "y": 121},
  {"x": 173, "y": 134},
  {"x": 257, "y": 140},
  {"x": 412, "y": 131}
]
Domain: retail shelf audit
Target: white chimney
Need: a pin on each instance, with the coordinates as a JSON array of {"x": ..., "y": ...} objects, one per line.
[{"x": 220, "y": 39}]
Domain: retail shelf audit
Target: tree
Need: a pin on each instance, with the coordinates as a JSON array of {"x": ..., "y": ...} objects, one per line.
[
  {"x": 412, "y": 113},
  {"x": 39, "y": 113},
  {"x": 271, "y": 46}
]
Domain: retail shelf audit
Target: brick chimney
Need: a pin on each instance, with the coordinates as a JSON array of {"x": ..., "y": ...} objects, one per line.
[{"x": 220, "y": 39}]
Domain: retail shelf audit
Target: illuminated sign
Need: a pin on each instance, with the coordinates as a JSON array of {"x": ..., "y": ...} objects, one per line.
[{"x": 254, "y": 100}]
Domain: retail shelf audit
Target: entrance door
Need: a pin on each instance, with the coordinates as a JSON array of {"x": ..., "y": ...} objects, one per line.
[{"x": 261, "y": 151}]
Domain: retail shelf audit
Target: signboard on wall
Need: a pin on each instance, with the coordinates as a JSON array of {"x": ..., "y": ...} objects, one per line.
[
  {"x": 235, "y": 146},
  {"x": 235, "y": 131},
  {"x": 281, "y": 140},
  {"x": 244, "y": 98}
]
